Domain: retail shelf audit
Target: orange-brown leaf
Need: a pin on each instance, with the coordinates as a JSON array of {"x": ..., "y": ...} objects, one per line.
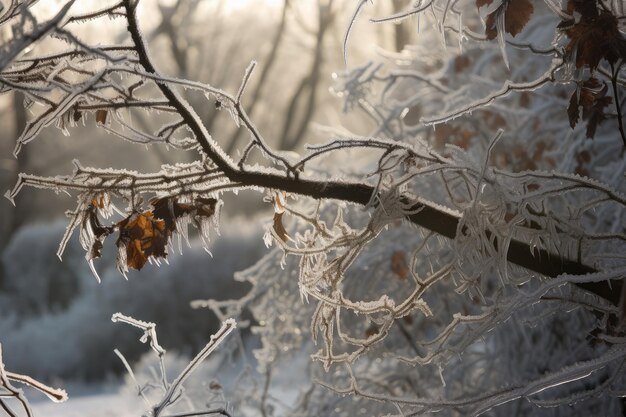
[
  {"x": 101, "y": 116},
  {"x": 399, "y": 264},
  {"x": 135, "y": 257},
  {"x": 143, "y": 236},
  {"x": 99, "y": 201}
]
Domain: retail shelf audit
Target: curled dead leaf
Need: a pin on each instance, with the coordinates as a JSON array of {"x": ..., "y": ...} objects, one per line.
[
  {"x": 143, "y": 236},
  {"x": 279, "y": 228},
  {"x": 101, "y": 116},
  {"x": 170, "y": 210},
  {"x": 99, "y": 232}
]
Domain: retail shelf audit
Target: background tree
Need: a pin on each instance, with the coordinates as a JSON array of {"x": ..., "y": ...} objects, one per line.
[{"x": 504, "y": 295}]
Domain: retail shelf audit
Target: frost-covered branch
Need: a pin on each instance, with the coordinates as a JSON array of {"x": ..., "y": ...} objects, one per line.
[
  {"x": 437, "y": 248},
  {"x": 8, "y": 391},
  {"x": 172, "y": 391}
]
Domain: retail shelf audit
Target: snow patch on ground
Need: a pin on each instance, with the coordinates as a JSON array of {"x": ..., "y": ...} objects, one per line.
[{"x": 119, "y": 404}]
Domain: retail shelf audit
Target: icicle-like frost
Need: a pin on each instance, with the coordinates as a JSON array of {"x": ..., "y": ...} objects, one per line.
[{"x": 500, "y": 24}]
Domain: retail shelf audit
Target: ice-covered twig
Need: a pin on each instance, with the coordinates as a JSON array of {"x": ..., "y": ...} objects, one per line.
[
  {"x": 56, "y": 395},
  {"x": 216, "y": 339},
  {"x": 506, "y": 89}
]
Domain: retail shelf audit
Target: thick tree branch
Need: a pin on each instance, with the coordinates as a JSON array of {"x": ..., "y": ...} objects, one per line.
[{"x": 440, "y": 221}]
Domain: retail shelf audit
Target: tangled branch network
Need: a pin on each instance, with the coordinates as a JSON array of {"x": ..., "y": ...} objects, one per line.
[{"x": 424, "y": 254}]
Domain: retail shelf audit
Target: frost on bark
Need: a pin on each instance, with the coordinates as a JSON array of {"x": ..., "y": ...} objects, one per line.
[{"x": 465, "y": 256}]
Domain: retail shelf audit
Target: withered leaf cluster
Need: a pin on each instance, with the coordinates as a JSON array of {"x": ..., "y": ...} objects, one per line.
[
  {"x": 516, "y": 14},
  {"x": 591, "y": 96},
  {"x": 144, "y": 234},
  {"x": 594, "y": 35}
]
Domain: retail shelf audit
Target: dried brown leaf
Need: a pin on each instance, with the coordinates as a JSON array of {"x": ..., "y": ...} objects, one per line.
[
  {"x": 490, "y": 25},
  {"x": 461, "y": 62},
  {"x": 516, "y": 16},
  {"x": 205, "y": 206},
  {"x": 101, "y": 116},
  {"x": 170, "y": 210},
  {"x": 279, "y": 228},
  {"x": 481, "y": 3},
  {"x": 593, "y": 38},
  {"x": 592, "y": 96},
  {"x": 399, "y": 264},
  {"x": 143, "y": 236}
]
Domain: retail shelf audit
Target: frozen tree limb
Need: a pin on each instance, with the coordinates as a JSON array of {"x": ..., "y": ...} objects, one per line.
[{"x": 7, "y": 390}]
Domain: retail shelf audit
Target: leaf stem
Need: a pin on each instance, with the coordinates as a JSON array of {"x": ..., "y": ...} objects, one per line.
[{"x": 618, "y": 105}]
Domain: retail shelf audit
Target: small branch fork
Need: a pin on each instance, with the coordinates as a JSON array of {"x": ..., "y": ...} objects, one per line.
[{"x": 173, "y": 391}]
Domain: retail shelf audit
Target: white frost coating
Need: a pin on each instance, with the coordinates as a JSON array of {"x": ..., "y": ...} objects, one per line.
[
  {"x": 7, "y": 390},
  {"x": 148, "y": 328},
  {"x": 364, "y": 283},
  {"x": 227, "y": 327},
  {"x": 93, "y": 270}
]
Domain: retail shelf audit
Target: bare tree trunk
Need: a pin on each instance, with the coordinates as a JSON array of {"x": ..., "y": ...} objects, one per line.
[
  {"x": 269, "y": 63},
  {"x": 401, "y": 30},
  {"x": 301, "y": 107},
  {"x": 167, "y": 28}
]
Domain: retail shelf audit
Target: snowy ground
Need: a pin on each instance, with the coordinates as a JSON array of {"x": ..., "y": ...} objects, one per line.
[
  {"x": 92, "y": 405},
  {"x": 118, "y": 398}
]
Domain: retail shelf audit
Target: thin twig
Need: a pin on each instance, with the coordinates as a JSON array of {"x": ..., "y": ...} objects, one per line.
[{"x": 618, "y": 106}]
